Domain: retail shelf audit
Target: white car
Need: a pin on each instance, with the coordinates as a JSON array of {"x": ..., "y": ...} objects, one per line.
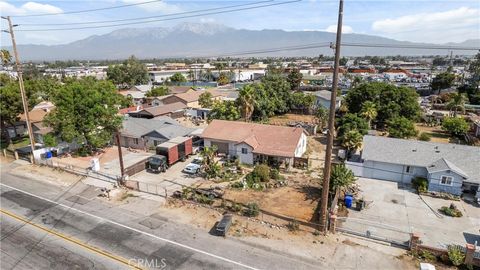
[{"x": 194, "y": 166}]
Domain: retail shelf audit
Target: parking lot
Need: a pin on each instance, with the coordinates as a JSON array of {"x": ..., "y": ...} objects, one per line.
[
  {"x": 400, "y": 208},
  {"x": 171, "y": 180}
]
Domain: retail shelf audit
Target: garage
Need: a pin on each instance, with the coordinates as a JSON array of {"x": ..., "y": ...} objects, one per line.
[{"x": 221, "y": 147}]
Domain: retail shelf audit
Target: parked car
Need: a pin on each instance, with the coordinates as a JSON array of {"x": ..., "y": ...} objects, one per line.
[
  {"x": 157, "y": 163},
  {"x": 224, "y": 225},
  {"x": 194, "y": 166}
]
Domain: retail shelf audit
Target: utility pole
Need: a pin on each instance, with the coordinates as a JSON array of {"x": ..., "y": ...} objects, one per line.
[
  {"x": 20, "y": 83},
  {"x": 331, "y": 126},
  {"x": 120, "y": 156}
]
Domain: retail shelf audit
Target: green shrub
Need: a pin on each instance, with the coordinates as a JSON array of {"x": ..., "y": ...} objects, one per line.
[
  {"x": 452, "y": 211},
  {"x": 200, "y": 198},
  {"x": 424, "y": 137},
  {"x": 238, "y": 184},
  {"x": 274, "y": 174},
  {"x": 293, "y": 225},
  {"x": 235, "y": 207},
  {"x": 456, "y": 255},
  {"x": 427, "y": 256},
  {"x": 252, "y": 210},
  {"x": 262, "y": 171},
  {"x": 420, "y": 184}
]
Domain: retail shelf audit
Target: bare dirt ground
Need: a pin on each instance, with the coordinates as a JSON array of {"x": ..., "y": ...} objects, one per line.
[
  {"x": 316, "y": 151},
  {"x": 297, "y": 200},
  {"x": 438, "y": 135},
  {"x": 43, "y": 173},
  {"x": 283, "y": 120}
]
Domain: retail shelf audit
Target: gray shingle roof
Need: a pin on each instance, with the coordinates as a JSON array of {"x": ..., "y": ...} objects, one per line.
[
  {"x": 443, "y": 165},
  {"x": 165, "y": 126},
  {"x": 464, "y": 158}
]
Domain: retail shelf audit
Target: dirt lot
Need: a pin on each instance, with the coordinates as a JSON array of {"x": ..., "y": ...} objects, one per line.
[
  {"x": 283, "y": 120},
  {"x": 297, "y": 200},
  {"x": 438, "y": 135}
]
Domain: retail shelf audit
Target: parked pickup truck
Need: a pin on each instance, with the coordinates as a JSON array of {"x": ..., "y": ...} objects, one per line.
[{"x": 157, "y": 164}]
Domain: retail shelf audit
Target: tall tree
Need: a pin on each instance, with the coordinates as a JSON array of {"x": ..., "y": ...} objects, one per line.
[
  {"x": 369, "y": 112},
  {"x": 322, "y": 116},
  {"x": 352, "y": 140},
  {"x": 349, "y": 122},
  {"x": 224, "y": 110},
  {"x": 130, "y": 72},
  {"x": 457, "y": 103},
  {"x": 455, "y": 126},
  {"x": 157, "y": 92},
  {"x": 177, "y": 78},
  {"x": 246, "y": 102},
  {"x": 223, "y": 78},
  {"x": 390, "y": 101},
  {"x": 294, "y": 78},
  {"x": 341, "y": 177},
  {"x": 472, "y": 85},
  {"x": 5, "y": 56},
  {"x": 86, "y": 111},
  {"x": 401, "y": 127},
  {"x": 205, "y": 100},
  {"x": 442, "y": 81}
]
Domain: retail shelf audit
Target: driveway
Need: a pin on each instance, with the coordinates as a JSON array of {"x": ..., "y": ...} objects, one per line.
[
  {"x": 171, "y": 180},
  {"x": 400, "y": 208}
]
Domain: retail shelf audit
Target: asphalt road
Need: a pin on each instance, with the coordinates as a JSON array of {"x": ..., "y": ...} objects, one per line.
[{"x": 49, "y": 227}]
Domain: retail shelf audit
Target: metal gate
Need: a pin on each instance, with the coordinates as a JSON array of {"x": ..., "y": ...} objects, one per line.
[{"x": 374, "y": 230}]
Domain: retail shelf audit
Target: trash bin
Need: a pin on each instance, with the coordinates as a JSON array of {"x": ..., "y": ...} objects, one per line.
[
  {"x": 359, "y": 205},
  {"x": 348, "y": 201}
]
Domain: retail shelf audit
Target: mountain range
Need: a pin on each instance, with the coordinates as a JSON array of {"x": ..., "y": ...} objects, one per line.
[{"x": 211, "y": 40}]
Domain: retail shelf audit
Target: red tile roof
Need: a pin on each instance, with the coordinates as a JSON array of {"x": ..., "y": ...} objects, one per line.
[{"x": 264, "y": 139}]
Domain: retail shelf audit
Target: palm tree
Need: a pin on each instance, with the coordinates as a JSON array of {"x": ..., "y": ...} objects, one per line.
[
  {"x": 5, "y": 56},
  {"x": 352, "y": 140},
  {"x": 456, "y": 103},
  {"x": 369, "y": 112},
  {"x": 341, "y": 177},
  {"x": 322, "y": 115},
  {"x": 246, "y": 101}
]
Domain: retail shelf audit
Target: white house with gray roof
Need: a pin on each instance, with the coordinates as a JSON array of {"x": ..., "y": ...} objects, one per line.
[
  {"x": 323, "y": 98},
  {"x": 450, "y": 168}
]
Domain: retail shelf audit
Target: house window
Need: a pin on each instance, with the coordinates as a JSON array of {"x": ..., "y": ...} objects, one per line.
[
  {"x": 244, "y": 151},
  {"x": 155, "y": 142},
  {"x": 446, "y": 180},
  {"x": 135, "y": 140},
  {"x": 407, "y": 169}
]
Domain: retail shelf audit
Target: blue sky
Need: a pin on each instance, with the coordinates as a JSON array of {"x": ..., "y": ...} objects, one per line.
[{"x": 437, "y": 21}]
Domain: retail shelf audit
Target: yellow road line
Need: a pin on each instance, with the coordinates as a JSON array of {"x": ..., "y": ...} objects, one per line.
[{"x": 72, "y": 240}]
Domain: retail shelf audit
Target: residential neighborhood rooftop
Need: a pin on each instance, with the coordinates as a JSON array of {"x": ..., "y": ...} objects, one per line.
[
  {"x": 462, "y": 159},
  {"x": 264, "y": 139},
  {"x": 165, "y": 126}
]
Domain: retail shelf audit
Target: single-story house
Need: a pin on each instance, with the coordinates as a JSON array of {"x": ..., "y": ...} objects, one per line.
[
  {"x": 173, "y": 110},
  {"x": 190, "y": 98},
  {"x": 323, "y": 98},
  {"x": 130, "y": 109},
  {"x": 450, "y": 168},
  {"x": 141, "y": 133},
  {"x": 253, "y": 143}
]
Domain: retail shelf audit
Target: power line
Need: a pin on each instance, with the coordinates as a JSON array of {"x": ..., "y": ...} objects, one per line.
[
  {"x": 88, "y": 10},
  {"x": 428, "y": 47},
  {"x": 150, "y": 21},
  {"x": 149, "y": 17}
]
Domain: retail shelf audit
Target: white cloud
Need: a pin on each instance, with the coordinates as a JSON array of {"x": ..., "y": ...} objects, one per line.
[
  {"x": 162, "y": 6},
  {"x": 28, "y": 8},
  {"x": 451, "y": 25},
  {"x": 346, "y": 29}
]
